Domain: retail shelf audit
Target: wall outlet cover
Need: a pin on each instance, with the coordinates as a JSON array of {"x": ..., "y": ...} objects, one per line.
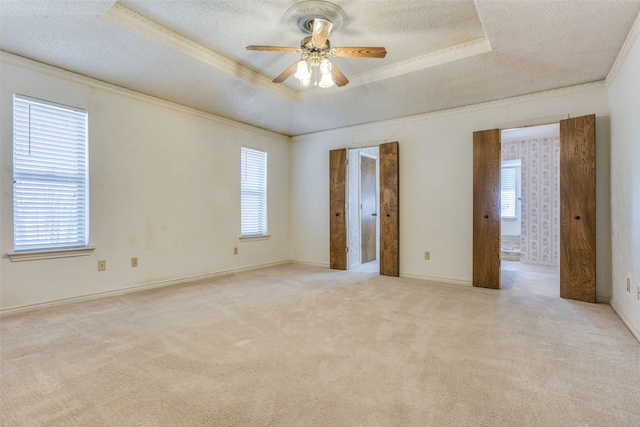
[{"x": 102, "y": 265}]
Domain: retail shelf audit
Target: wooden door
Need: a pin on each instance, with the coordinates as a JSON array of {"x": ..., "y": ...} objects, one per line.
[
  {"x": 389, "y": 210},
  {"x": 368, "y": 213},
  {"x": 337, "y": 209},
  {"x": 486, "y": 209},
  {"x": 578, "y": 209}
]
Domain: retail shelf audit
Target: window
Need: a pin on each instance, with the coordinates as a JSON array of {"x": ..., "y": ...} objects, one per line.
[
  {"x": 253, "y": 192},
  {"x": 50, "y": 188},
  {"x": 508, "y": 195}
]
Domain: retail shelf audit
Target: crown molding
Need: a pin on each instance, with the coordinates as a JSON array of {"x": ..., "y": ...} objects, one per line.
[
  {"x": 432, "y": 59},
  {"x": 553, "y": 93},
  {"x": 50, "y": 70},
  {"x": 129, "y": 18},
  {"x": 624, "y": 51}
]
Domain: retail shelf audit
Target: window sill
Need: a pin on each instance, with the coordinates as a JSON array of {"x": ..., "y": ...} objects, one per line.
[
  {"x": 509, "y": 217},
  {"x": 252, "y": 238},
  {"x": 49, "y": 254}
]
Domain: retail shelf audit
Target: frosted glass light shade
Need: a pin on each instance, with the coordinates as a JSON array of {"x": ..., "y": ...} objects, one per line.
[{"x": 302, "y": 72}]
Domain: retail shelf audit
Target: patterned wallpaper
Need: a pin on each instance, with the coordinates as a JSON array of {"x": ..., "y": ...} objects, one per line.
[{"x": 539, "y": 241}]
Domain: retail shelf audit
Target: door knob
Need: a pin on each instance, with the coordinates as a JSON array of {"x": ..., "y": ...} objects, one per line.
[
  {"x": 337, "y": 213},
  {"x": 577, "y": 217},
  {"x": 486, "y": 216}
]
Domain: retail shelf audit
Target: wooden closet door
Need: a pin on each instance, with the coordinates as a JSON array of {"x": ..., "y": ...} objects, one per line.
[
  {"x": 337, "y": 209},
  {"x": 486, "y": 208},
  {"x": 389, "y": 210},
  {"x": 578, "y": 208}
]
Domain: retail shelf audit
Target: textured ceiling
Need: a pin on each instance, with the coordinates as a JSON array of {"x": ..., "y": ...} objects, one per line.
[{"x": 441, "y": 54}]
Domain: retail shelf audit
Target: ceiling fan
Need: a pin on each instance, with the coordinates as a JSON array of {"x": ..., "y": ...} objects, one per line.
[{"x": 314, "y": 60}]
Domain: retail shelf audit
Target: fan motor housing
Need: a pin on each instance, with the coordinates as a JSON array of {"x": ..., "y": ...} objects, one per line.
[{"x": 306, "y": 44}]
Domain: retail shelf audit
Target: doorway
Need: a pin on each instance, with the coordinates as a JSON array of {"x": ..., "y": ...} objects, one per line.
[
  {"x": 388, "y": 162},
  {"x": 363, "y": 207},
  {"x": 577, "y": 217},
  {"x": 530, "y": 209}
]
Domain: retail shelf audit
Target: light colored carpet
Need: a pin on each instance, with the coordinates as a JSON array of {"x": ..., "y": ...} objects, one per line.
[{"x": 303, "y": 346}]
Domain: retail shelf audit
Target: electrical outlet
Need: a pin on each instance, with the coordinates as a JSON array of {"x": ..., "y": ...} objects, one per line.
[
  {"x": 427, "y": 255},
  {"x": 102, "y": 265},
  {"x": 134, "y": 261},
  {"x": 628, "y": 285},
  {"x": 235, "y": 250}
]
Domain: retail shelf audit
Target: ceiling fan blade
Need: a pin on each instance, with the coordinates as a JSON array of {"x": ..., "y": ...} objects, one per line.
[
  {"x": 338, "y": 78},
  {"x": 321, "y": 29},
  {"x": 286, "y": 73},
  {"x": 274, "y": 48},
  {"x": 359, "y": 52}
]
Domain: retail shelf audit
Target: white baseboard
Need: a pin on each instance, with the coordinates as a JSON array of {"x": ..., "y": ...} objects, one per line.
[
  {"x": 438, "y": 279},
  {"x": 310, "y": 264},
  {"x": 603, "y": 300},
  {"x": 135, "y": 288},
  {"x": 625, "y": 319}
]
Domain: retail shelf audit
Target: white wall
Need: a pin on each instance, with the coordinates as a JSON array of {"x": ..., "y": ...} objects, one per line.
[
  {"x": 625, "y": 185},
  {"x": 436, "y": 183},
  {"x": 164, "y": 186}
]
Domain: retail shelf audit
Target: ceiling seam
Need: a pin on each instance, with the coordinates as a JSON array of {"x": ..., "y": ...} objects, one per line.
[
  {"x": 575, "y": 89},
  {"x": 624, "y": 50},
  {"x": 143, "y": 25}
]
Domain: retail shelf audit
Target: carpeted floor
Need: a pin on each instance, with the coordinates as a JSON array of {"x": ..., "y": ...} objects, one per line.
[{"x": 302, "y": 346}]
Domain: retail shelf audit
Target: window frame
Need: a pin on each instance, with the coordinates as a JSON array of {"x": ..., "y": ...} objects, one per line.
[
  {"x": 260, "y": 193},
  {"x": 78, "y": 119},
  {"x": 502, "y": 192}
]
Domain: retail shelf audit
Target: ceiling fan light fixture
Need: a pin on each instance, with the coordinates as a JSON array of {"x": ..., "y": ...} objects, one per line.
[{"x": 318, "y": 18}]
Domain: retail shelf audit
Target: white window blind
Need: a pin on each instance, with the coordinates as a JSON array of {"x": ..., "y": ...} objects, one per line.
[
  {"x": 253, "y": 192},
  {"x": 50, "y": 190},
  {"x": 508, "y": 194}
]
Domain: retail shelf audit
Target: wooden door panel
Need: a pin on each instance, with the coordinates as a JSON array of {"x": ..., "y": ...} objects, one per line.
[
  {"x": 337, "y": 209},
  {"x": 389, "y": 210},
  {"x": 368, "y": 208},
  {"x": 486, "y": 209},
  {"x": 578, "y": 209}
]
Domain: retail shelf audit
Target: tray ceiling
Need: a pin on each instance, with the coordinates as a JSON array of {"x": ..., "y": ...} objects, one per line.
[{"x": 441, "y": 54}]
